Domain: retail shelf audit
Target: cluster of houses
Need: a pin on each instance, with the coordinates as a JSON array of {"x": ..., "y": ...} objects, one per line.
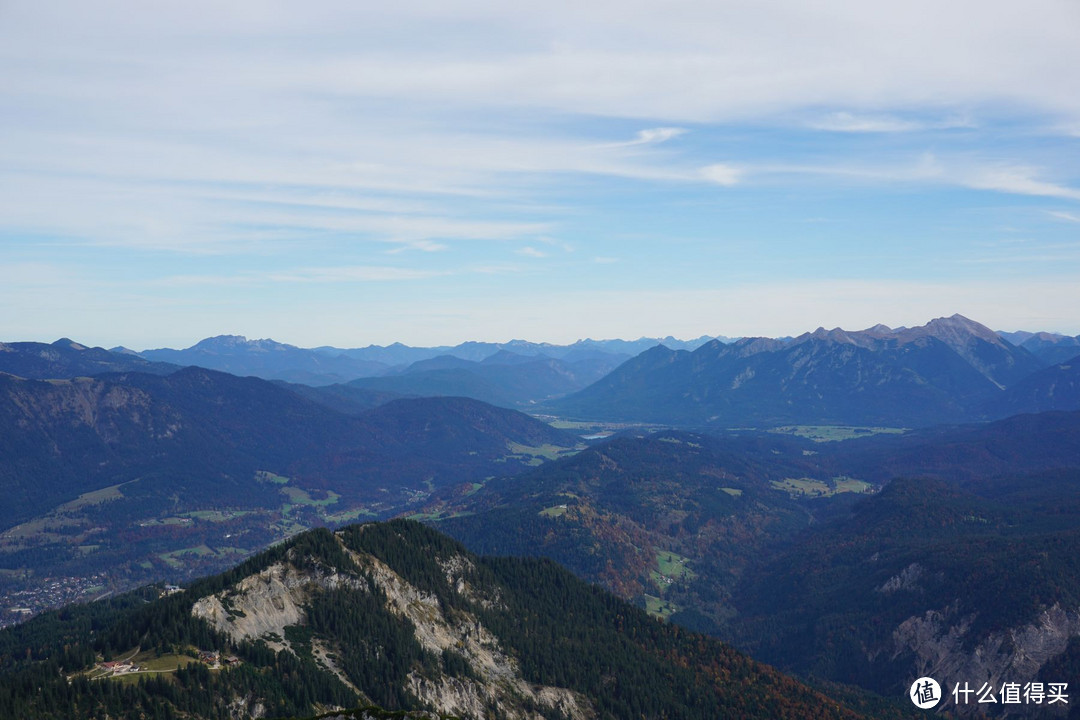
[
  {"x": 119, "y": 667},
  {"x": 170, "y": 590},
  {"x": 214, "y": 659}
]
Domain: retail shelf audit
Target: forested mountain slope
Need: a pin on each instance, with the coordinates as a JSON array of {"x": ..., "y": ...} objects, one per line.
[{"x": 394, "y": 614}]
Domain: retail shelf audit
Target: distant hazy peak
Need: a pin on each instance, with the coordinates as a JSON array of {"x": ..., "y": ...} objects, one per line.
[
  {"x": 227, "y": 343},
  {"x": 221, "y": 341},
  {"x": 954, "y": 330}
]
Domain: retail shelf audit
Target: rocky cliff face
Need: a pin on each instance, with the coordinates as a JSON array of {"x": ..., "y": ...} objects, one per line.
[
  {"x": 263, "y": 605},
  {"x": 943, "y": 649}
]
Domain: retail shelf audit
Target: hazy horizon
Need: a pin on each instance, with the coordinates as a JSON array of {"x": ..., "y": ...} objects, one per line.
[{"x": 184, "y": 344}]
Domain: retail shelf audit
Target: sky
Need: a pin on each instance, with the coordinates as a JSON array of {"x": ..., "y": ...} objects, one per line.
[{"x": 343, "y": 173}]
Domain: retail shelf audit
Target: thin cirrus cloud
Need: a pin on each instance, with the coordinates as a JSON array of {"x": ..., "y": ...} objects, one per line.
[
  {"x": 861, "y": 123},
  {"x": 344, "y": 274},
  {"x": 926, "y": 168},
  {"x": 354, "y": 274},
  {"x": 1019, "y": 181}
]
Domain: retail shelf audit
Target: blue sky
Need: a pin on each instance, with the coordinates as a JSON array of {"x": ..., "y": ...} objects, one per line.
[{"x": 345, "y": 173}]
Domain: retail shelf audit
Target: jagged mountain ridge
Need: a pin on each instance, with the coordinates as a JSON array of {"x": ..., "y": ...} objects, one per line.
[
  {"x": 938, "y": 373},
  {"x": 400, "y": 615}
]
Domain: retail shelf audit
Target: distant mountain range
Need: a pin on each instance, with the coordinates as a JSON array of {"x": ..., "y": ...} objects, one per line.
[
  {"x": 949, "y": 370},
  {"x": 1051, "y": 348},
  {"x": 328, "y": 365},
  {"x": 269, "y": 360},
  {"x": 505, "y": 379}
]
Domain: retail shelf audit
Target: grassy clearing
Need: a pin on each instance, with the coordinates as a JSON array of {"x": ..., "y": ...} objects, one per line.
[
  {"x": 40, "y": 528},
  {"x": 287, "y": 528},
  {"x": 733, "y": 492},
  {"x": 165, "y": 663},
  {"x": 559, "y": 424},
  {"x": 557, "y": 511},
  {"x": 674, "y": 566},
  {"x": 94, "y": 498},
  {"x": 658, "y": 607},
  {"x": 809, "y": 487},
  {"x": 267, "y": 476},
  {"x": 549, "y": 452},
  {"x": 298, "y": 496},
  {"x": 677, "y": 441},
  {"x": 175, "y": 558},
  {"x": 834, "y": 433},
  {"x": 803, "y": 487},
  {"x": 151, "y": 666},
  {"x": 846, "y": 484},
  {"x": 216, "y": 516},
  {"x": 421, "y": 517}
]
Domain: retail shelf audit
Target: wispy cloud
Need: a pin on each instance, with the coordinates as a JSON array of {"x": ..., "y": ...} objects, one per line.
[
  {"x": 422, "y": 245},
  {"x": 847, "y": 122},
  {"x": 344, "y": 274},
  {"x": 653, "y": 136},
  {"x": 1018, "y": 180},
  {"x": 721, "y": 174},
  {"x": 532, "y": 252},
  {"x": 363, "y": 273},
  {"x": 1070, "y": 217},
  {"x": 931, "y": 169}
]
